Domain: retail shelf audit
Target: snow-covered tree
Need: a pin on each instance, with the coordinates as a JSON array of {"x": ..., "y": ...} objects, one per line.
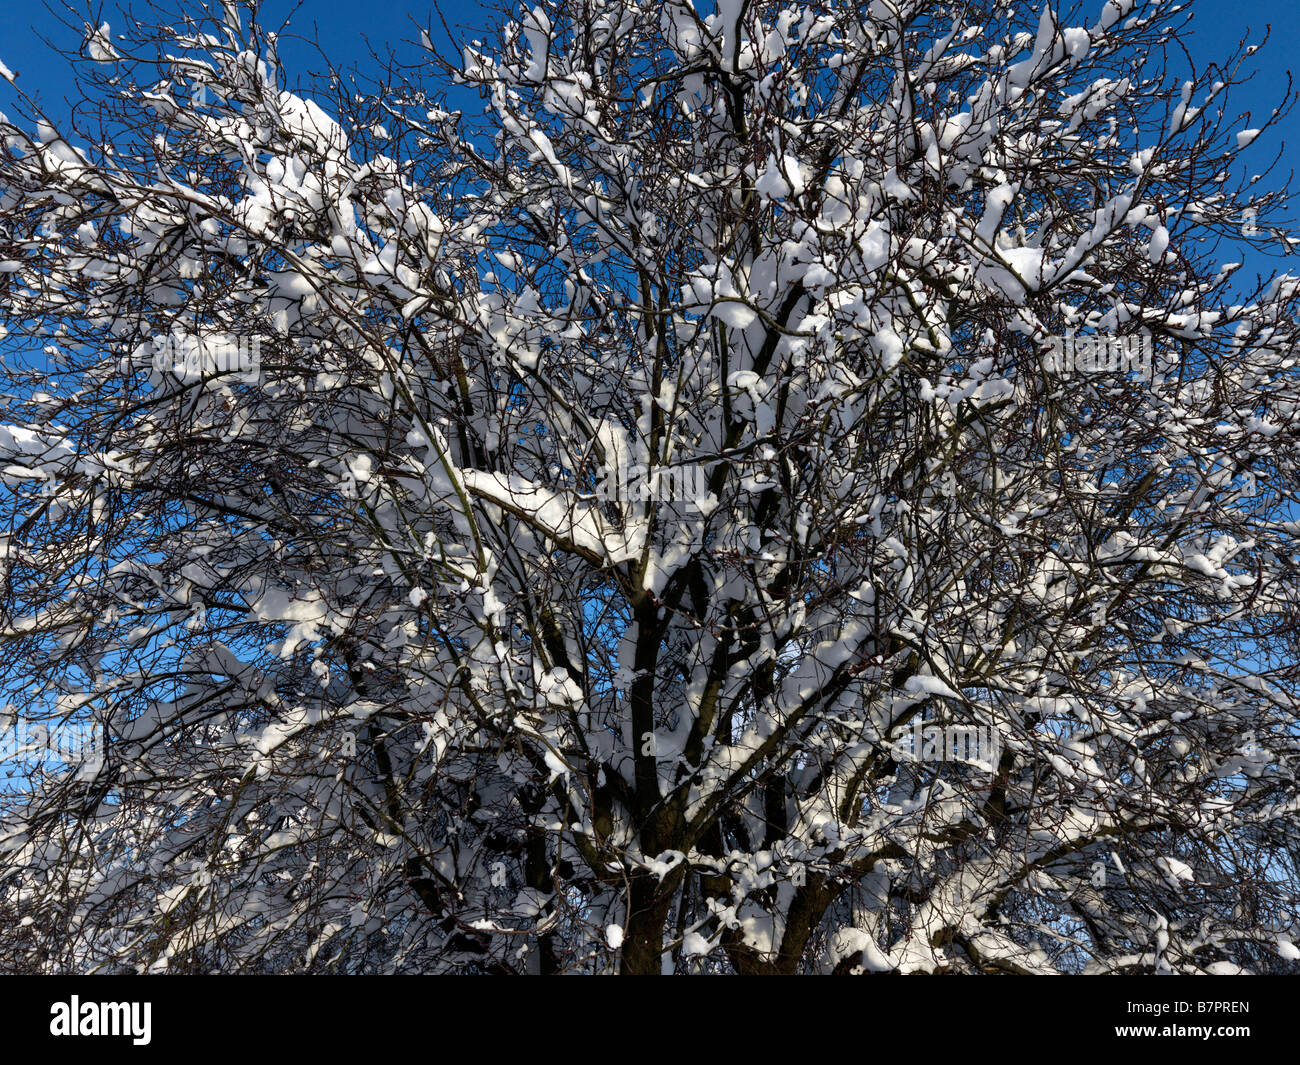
[{"x": 584, "y": 535}]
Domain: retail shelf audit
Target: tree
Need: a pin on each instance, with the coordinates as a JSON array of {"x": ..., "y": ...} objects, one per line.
[{"x": 650, "y": 526}]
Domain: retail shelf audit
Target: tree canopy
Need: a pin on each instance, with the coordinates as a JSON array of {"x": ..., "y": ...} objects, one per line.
[{"x": 598, "y": 504}]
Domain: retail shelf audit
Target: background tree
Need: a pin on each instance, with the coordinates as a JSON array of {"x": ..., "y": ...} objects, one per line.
[{"x": 608, "y": 484}]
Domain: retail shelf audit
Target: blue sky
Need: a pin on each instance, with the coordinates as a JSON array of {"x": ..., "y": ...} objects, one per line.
[
  {"x": 347, "y": 30},
  {"x": 344, "y": 26}
]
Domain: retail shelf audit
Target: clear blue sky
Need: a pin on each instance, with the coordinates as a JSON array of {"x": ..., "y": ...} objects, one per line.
[
  {"x": 345, "y": 28},
  {"x": 345, "y": 25}
]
